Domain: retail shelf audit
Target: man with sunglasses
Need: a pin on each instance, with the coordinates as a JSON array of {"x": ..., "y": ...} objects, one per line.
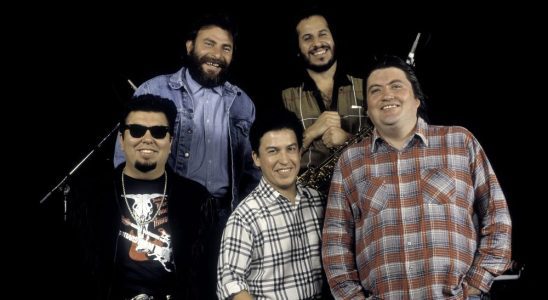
[
  {"x": 211, "y": 144},
  {"x": 141, "y": 229}
]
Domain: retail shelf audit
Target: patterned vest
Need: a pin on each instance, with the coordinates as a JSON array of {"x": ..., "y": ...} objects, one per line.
[{"x": 350, "y": 106}]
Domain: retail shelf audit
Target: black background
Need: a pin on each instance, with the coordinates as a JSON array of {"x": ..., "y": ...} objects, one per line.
[{"x": 476, "y": 66}]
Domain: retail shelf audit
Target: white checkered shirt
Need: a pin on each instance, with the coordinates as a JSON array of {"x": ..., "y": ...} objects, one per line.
[{"x": 271, "y": 248}]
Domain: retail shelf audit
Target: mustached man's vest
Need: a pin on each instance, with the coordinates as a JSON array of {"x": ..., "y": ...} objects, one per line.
[{"x": 350, "y": 106}]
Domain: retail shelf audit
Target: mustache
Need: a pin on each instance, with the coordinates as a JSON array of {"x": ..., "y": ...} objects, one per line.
[{"x": 315, "y": 48}]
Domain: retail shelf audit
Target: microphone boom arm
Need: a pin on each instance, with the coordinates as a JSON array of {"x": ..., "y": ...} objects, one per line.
[
  {"x": 62, "y": 182},
  {"x": 411, "y": 57},
  {"x": 97, "y": 147}
]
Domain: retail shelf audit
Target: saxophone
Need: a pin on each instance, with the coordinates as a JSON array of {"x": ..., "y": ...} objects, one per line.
[{"x": 319, "y": 178}]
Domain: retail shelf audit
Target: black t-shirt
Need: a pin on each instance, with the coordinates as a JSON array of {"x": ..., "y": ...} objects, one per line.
[{"x": 144, "y": 252}]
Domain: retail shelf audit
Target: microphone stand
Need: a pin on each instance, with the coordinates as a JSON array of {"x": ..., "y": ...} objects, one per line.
[
  {"x": 516, "y": 268},
  {"x": 63, "y": 185}
]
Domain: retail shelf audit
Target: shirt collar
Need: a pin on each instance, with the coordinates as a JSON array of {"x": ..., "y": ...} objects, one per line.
[
  {"x": 267, "y": 192},
  {"x": 270, "y": 194},
  {"x": 340, "y": 79},
  {"x": 195, "y": 87},
  {"x": 420, "y": 132}
]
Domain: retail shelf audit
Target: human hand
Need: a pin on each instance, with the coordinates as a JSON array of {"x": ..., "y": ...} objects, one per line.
[
  {"x": 242, "y": 295},
  {"x": 334, "y": 137},
  {"x": 472, "y": 291},
  {"x": 326, "y": 120}
]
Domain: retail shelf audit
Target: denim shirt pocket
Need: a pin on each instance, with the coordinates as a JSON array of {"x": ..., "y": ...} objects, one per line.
[
  {"x": 243, "y": 127},
  {"x": 438, "y": 186}
]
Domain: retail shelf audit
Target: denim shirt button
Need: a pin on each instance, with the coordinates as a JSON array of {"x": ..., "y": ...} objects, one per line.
[
  {"x": 187, "y": 154},
  {"x": 189, "y": 131}
]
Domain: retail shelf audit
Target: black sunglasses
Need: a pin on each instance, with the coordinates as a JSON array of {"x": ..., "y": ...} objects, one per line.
[{"x": 138, "y": 131}]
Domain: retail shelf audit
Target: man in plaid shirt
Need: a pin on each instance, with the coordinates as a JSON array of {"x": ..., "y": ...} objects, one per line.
[
  {"x": 415, "y": 211},
  {"x": 271, "y": 243}
]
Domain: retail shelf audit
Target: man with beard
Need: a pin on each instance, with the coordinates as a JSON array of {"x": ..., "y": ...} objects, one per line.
[
  {"x": 328, "y": 102},
  {"x": 211, "y": 144},
  {"x": 139, "y": 227}
]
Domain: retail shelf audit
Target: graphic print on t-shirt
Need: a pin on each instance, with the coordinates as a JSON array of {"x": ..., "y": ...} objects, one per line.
[{"x": 149, "y": 239}]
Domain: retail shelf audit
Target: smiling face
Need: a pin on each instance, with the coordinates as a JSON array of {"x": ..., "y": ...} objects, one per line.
[
  {"x": 146, "y": 156},
  {"x": 316, "y": 44},
  {"x": 210, "y": 56},
  {"x": 279, "y": 160},
  {"x": 391, "y": 102}
]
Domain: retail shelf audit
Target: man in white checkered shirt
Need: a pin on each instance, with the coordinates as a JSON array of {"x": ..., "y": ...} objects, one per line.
[{"x": 271, "y": 244}]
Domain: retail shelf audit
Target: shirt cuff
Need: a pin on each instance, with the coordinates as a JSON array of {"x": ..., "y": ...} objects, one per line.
[
  {"x": 480, "y": 278},
  {"x": 349, "y": 290},
  {"x": 234, "y": 287}
]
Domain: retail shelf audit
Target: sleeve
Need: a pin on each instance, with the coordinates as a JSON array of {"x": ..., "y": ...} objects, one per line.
[
  {"x": 234, "y": 258},
  {"x": 338, "y": 242},
  {"x": 287, "y": 95},
  {"x": 493, "y": 256},
  {"x": 119, "y": 157},
  {"x": 251, "y": 175}
]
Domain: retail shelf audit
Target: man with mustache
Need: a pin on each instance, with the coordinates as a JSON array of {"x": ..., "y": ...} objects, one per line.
[
  {"x": 328, "y": 102},
  {"x": 135, "y": 230},
  {"x": 210, "y": 143}
]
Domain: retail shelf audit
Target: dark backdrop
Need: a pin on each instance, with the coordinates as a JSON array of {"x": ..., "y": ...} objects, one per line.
[{"x": 475, "y": 65}]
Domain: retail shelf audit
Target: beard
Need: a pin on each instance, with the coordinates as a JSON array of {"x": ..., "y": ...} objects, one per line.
[
  {"x": 323, "y": 67},
  {"x": 145, "y": 167},
  {"x": 204, "y": 78}
]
